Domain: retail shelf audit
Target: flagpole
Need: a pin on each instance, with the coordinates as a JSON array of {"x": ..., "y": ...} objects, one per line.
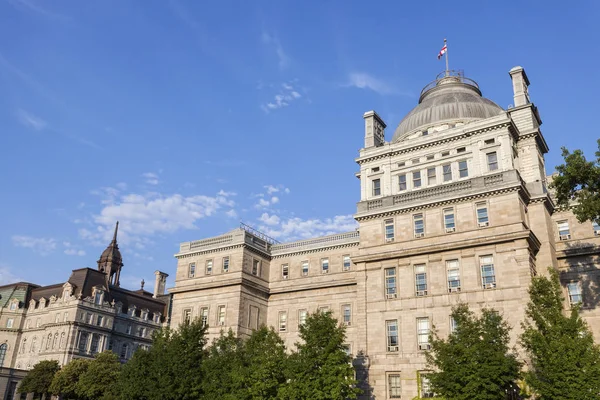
[{"x": 446, "y": 46}]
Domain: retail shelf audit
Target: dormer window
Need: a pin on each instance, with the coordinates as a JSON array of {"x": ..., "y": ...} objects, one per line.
[
  {"x": 98, "y": 297},
  {"x": 144, "y": 314},
  {"x": 14, "y": 304},
  {"x": 131, "y": 311},
  {"x": 157, "y": 317}
]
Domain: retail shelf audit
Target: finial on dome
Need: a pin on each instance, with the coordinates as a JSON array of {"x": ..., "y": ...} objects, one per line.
[
  {"x": 116, "y": 230},
  {"x": 143, "y": 283}
]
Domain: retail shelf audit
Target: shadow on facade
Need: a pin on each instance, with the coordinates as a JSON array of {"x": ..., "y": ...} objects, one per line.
[{"x": 583, "y": 260}]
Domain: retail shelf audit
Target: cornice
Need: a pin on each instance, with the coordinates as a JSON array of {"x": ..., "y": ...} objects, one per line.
[
  {"x": 316, "y": 250},
  {"x": 208, "y": 251}
]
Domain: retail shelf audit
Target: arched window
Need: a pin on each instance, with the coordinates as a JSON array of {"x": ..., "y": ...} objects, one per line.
[
  {"x": 32, "y": 347},
  {"x": 49, "y": 342},
  {"x": 124, "y": 351},
  {"x": 61, "y": 344},
  {"x": 55, "y": 342},
  {"x": 3, "y": 348},
  {"x": 23, "y": 346}
]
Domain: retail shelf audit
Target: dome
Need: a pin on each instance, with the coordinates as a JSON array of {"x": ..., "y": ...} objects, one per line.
[{"x": 449, "y": 99}]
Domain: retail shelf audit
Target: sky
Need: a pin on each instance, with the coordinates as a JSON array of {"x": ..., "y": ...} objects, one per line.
[{"x": 182, "y": 118}]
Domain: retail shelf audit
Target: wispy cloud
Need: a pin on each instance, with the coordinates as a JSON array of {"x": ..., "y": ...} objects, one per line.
[
  {"x": 297, "y": 228},
  {"x": 42, "y": 246},
  {"x": 363, "y": 80},
  {"x": 7, "y": 276},
  {"x": 151, "y": 178},
  {"x": 32, "y": 6},
  {"x": 70, "y": 250},
  {"x": 284, "y": 97},
  {"x": 31, "y": 121},
  {"x": 268, "y": 197},
  {"x": 273, "y": 41}
]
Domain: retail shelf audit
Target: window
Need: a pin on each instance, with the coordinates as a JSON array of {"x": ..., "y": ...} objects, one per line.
[
  {"x": 445, "y": 153},
  {"x": 38, "y": 322},
  {"x": 128, "y": 329},
  {"x": 324, "y": 265},
  {"x": 574, "y": 293},
  {"x": 49, "y": 341},
  {"x": 453, "y": 325},
  {"x": 423, "y": 333},
  {"x": 461, "y": 150},
  {"x": 376, "y": 187},
  {"x": 57, "y": 318},
  {"x": 10, "y": 322},
  {"x": 255, "y": 266},
  {"x": 204, "y": 316},
  {"x": 390, "y": 283},
  {"x": 419, "y": 225},
  {"x": 65, "y": 316},
  {"x": 449, "y": 224},
  {"x": 389, "y": 230},
  {"x": 3, "y": 348},
  {"x": 420, "y": 280},
  {"x": 187, "y": 317},
  {"x": 83, "y": 341},
  {"x": 13, "y": 306},
  {"x": 416, "y": 179},
  {"x": 209, "y": 265},
  {"x": 452, "y": 267},
  {"x": 90, "y": 318},
  {"x": 55, "y": 340},
  {"x": 402, "y": 182},
  {"x": 124, "y": 351},
  {"x": 488, "y": 276},
  {"x": 143, "y": 332},
  {"x": 425, "y": 389},
  {"x": 98, "y": 297},
  {"x": 304, "y": 268},
  {"x": 414, "y": 161},
  {"x": 447, "y": 172},
  {"x": 492, "y": 161},
  {"x": 94, "y": 344},
  {"x": 394, "y": 388},
  {"x": 401, "y": 164},
  {"x": 429, "y": 157},
  {"x": 391, "y": 329},
  {"x": 282, "y": 321},
  {"x": 376, "y": 169},
  {"x": 463, "y": 169},
  {"x": 347, "y": 314},
  {"x": 596, "y": 228},
  {"x": 61, "y": 344},
  {"x": 192, "y": 270},
  {"x": 347, "y": 349},
  {"x": 489, "y": 141},
  {"x": 564, "y": 233},
  {"x": 221, "y": 316},
  {"x": 99, "y": 320},
  {"x": 302, "y": 314},
  {"x": 431, "y": 176},
  {"x": 225, "y": 264},
  {"x": 347, "y": 263},
  {"x": 253, "y": 317},
  {"x": 482, "y": 215},
  {"x": 285, "y": 271}
]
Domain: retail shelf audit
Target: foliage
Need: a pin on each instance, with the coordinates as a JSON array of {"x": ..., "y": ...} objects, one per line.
[
  {"x": 98, "y": 381},
  {"x": 65, "y": 380},
  {"x": 475, "y": 361},
  {"x": 39, "y": 378},
  {"x": 564, "y": 361},
  {"x": 264, "y": 362},
  {"x": 578, "y": 185},
  {"x": 223, "y": 369},
  {"x": 320, "y": 369}
]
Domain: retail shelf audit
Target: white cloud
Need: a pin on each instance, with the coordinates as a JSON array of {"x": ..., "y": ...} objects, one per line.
[
  {"x": 362, "y": 80},
  {"x": 274, "y": 200},
  {"x": 286, "y": 191},
  {"x": 7, "y": 276},
  {"x": 231, "y": 213},
  {"x": 271, "y": 189},
  {"x": 71, "y": 251},
  {"x": 151, "y": 178},
  {"x": 298, "y": 228},
  {"x": 262, "y": 203},
  {"x": 30, "y": 120},
  {"x": 273, "y": 41},
  {"x": 269, "y": 219},
  {"x": 283, "y": 98},
  {"x": 121, "y": 186},
  {"x": 43, "y": 246},
  {"x": 226, "y": 194}
]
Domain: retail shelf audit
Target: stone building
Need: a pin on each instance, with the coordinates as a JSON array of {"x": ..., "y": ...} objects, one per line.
[
  {"x": 85, "y": 315},
  {"x": 454, "y": 208}
]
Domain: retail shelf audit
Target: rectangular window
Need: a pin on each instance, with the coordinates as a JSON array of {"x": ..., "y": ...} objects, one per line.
[
  {"x": 94, "y": 344},
  {"x": 402, "y": 182},
  {"x": 187, "y": 317},
  {"x": 221, "y": 315},
  {"x": 325, "y": 265},
  {"x": 347, "y": 314},
  {"x": 425, "y": 388},
  {"x": 304, "y": 268},
  {"x": 98, "y": 298},
  {"x": 225, "y": 264},
  {"x": 346, "y": 260},
  {"x": 204, "y": 316},
  {"x": 453, "y": 325},
  {"x": 423, "y": 333},
  {"x": 429, "y": 157},
  {"x": 83, "y": 342},
  {"x": 128, "y": 328},
  {"x": 285, "y": 271},
  {"x": 376, "y": 187},
  {"x": 445, "y": 153},
  {"x": 461, "y": 150},
  {"x": 564, "y": 233},
  {"x": 489, "y": 142},
  {"x": 391, "y": 329},
  {"x": 463, "y": 169},
  {"x": 449, "y": 224},
  {"x": 414, "y": 161},
  {"x": 390, "y": 283},
  {"x": 482, "y": 215},
  {"x": 401, "y": 164},
  {"x": 192, "y": 270},
  {"x": 255, "y": 266},
  {"x": 574, "y": 293},
  {"x": 596, "y": 228},
  {"x": 209, "y": 265},
  {"x": 282, "y": 321},
  {"x": 492, "y": 161},
  {"x": 453, "y": 269},
  {"x": 100, "y": 320},
  {"x": 347, "y": 349},
  {"x": 389, "y": 230},
  {"x": 488, "y": 275},
  {"x": 394, "y": 388},
  {"x": 419, "y": 225},
  {"x": 57, "y": 318},
  {"x": 447, "y": 172},
  {"x": 10, "y": 322},
  {"x": 416, "y": 179},
  {"x": 431, "y": 176},
  {"x": 420, "y": 280},
  {"x": 302, "y": 314},
  {"x": 65, "y": 316}
]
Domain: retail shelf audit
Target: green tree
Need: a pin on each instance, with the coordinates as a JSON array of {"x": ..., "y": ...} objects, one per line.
[
  {"x": 98, "y": 381},
  {"x": 65, "y": 380},
  {"x": 264, "y": 363},
  {"x": 577, "y": 185},
  {"x": 564, "y": 362},
  {"x": 320, "y": 369},
  {"x": 39, "y": 378},
  {"x": 224, "y": 369},
  {"x": 475, "y": 361}
]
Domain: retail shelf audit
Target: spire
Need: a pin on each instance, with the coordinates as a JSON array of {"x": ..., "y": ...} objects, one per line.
[
  {"x": 115, "y": 235},
  {"x": 110, "y": 261}
]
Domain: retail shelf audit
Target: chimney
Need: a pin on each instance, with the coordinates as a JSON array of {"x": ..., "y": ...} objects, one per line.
[
  {"x": 160, "y": 282},
  {"x": 374, "y": 130},
  {"x": 520, "y": 85}
]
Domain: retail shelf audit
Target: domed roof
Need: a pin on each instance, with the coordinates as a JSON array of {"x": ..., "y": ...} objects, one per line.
[
  {"x": 451, "y": 98},
  {"x": 111, "y": 256}
]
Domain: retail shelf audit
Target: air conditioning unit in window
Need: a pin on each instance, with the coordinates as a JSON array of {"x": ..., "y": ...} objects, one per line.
[
  {"x": 325, "y": 271},
  {"x": 489, "y": 286},
  {"x": 348, "y": 323},
  {"x": 222, "y": 323},
  {"x": 450, "y": 230},
  {"x": 285, "y": 276},
  {"x": 597, "y": 232},
  {"x": 421, "y": 292},
  {"x": 391, "y": 295},
  {"x": 419, "y": 235},
  {"x": 424, "y": 346},
  {"x": 427, "y": 395},
  {"x": 565, "y": 237},
  {"x": 392, "y": 348},
  {"x": 483, "y": 224},
  {"x": 389, "y": 240},
  {"x": 454, "y": 290}
]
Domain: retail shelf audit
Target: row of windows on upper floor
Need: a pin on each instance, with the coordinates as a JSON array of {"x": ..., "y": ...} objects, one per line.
[
  {"x": 282, "y": 317},
  {"x": 51, "y": 342},
  {"x": 564, "y": 231},
  {"x": 429, "y": 177},
  {"x": 448, "y": 222}
]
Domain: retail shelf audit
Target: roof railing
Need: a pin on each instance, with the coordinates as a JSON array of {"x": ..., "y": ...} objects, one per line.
[
  {"x": 258, "y": 234},
  {"x": 457, "y": 76}
]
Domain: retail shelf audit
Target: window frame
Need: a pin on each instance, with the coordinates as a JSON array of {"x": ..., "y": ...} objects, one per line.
[
  {"x": 421, "y": 285},
  {"x": 579, "y": 293},
  {"x": 564, "y": 229},
  {"x": 487, "y": 283},
  {"x": 208, "y": 267},
  {"x": 221, "y": 315},
  {"x": 255, "y": 267},
  {"x": 423, "y": 334},
  {"x": 282, "y": 321},
  {"x": 447, "y": 172},
  {"x": 388, "y": 234},
  {"x": 450, "y": 266},
  {"x": 186, "y": 316},
  {"x": 391, "y": 291},
  {"x": 376, "y": 187},
  {"x": 422, "y": 379},
  {"x": 466, "y": 168},
  {"x": 204, "y": 316},
  {"x": 482, "y": 221},
  {"x": 325, "y": 265},
  {"x": 285, "y": 271},
  {"x": 449, "y": 227},
  {"x": 418, "y": 232},
  {"x": 192, "y": 270},
  {"x": 402, "y": 184},
  {"x": 492, "y": 165},
  {"x": 416, "y": 179},
  {"x": 346, "y": 266},
  {"x": 225, "y": 264},
  {"x": 302, "y": 315},
  {"x": 305, "y": 271},
  {"x": 347, "y": 314},
  {"x": 431, "y": 178},
  {"x": 392, "y": 345},
  {"x": 394, "y": 388}
]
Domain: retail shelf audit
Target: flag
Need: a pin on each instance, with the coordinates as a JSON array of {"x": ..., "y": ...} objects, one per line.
[{"x": 442, "y": 51}]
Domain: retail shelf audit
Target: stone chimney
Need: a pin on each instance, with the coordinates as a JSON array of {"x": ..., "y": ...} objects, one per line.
[
  {"x": 374, "y": 130},
  {"x": 160, "y": 283},
  {"x": 520, "y": 84}
]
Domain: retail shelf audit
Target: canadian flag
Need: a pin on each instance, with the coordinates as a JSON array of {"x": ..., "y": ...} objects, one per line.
[{"x": 442, "y": 51}]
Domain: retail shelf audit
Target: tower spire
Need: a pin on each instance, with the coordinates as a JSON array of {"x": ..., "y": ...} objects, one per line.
[{"x": 116, "y": 230}]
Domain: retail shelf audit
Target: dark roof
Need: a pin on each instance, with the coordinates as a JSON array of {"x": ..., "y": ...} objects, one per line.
[{"x": 20, "y": 291}]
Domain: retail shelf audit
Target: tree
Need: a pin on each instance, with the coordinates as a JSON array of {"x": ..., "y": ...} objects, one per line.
[
  {"x": 474, "y": 362},
  {"x": 39, "y": 378},
  {"x": 65, "y": 380},
  {"x": 264, "y": 363},
  {"x": 98, "y": 381},
  {"x": 224, "y": 369},
  {"x": 564, "y": 362},
  {"x": 320, "y": 369},
  {"x": 577, "y": 185}
]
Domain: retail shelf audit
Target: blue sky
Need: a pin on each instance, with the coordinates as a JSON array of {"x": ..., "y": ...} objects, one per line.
[{"x": 181, "y": 118}]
